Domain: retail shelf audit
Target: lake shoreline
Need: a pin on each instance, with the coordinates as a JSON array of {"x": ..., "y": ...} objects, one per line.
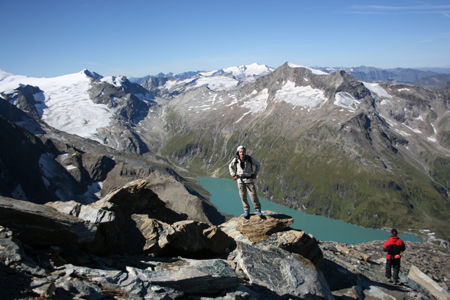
[{"x": 224, "y": 195}]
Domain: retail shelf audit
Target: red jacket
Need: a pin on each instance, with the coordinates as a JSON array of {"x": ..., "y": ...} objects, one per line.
[{"x": 393, "y": 246}]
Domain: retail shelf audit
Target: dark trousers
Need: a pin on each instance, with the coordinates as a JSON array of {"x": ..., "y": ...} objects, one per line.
[{"x": 395, "y": 265}]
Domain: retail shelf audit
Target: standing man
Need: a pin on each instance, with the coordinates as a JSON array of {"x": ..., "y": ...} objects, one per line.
[
  {"x": 393, "y": 246},
  {"x": 244, "y": 169}
]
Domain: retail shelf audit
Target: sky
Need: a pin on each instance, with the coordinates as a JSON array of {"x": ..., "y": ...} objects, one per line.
[{"x": 135, "y": 38}]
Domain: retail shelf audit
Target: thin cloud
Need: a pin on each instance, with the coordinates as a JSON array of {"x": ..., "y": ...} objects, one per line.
[{"x": 413, "y": 9}]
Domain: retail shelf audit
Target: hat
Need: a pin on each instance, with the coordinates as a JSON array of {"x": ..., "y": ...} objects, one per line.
[{"x": 240, "y": 147}]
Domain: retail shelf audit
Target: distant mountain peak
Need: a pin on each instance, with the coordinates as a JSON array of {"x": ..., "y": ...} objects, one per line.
[{"x": 253, "y": 69}]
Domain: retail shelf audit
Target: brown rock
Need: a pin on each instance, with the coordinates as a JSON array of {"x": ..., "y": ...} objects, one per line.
[
  {"x": 299, "y": 242},
  {"x": 258, "y": 229}
]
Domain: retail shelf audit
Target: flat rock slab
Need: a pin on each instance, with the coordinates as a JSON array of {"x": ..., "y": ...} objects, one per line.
[{"x": 258, "y": 229}]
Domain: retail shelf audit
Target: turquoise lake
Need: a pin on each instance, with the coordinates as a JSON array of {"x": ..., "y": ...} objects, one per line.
[{"x": 225, "y": 196}]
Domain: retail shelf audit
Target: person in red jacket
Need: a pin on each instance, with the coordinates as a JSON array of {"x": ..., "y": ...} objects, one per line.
[{"x": 393, "y": 246}]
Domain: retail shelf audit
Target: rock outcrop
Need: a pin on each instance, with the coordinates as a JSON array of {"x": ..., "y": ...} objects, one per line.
[
  {"x": 131, "y": 245},
  {"x": 283, "y": 273},
  {"x": 273, "y": 230}
]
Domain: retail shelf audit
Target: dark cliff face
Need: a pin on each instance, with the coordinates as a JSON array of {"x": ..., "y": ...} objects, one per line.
[
  {"x": 19, "y": 156},
  {"x": 29, "y": 99}
]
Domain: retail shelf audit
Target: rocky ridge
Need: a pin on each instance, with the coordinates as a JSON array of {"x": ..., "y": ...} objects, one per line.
[{"x": 130, "y": 244}]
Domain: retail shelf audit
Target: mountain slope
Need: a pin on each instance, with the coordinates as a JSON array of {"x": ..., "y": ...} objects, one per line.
[
  {"x": 328, "y": 144},
  {"x": 368, "y": 153}
]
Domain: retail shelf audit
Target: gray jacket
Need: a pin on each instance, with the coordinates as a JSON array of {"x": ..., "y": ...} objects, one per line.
[{"x": 244, "y": 170}]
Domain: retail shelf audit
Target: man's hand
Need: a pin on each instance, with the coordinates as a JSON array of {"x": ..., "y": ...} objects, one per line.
[
  {"x": 235, "y": 177},
  {"x": 253, "y": 176}
]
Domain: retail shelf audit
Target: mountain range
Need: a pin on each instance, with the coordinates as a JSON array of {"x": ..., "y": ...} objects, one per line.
[{"x": 359, "y": 145}]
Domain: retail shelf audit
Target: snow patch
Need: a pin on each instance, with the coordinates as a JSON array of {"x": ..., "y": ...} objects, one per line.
[
  {"x": 253, "y": 69},
  {"x": 113, "y": 80},
  {"x": 71, "y": 167},
  {"x": 346, "y": 100},
  {"x": 93, "y": 192},
  {"x": 432, "y": 139},
  {"x": 413, "y": 129},
  {"x": 170, "y": 84},
  {"x": 401, "y": 132},
  {"x": 403, "y": 90},
  {"x": 314, "y": 71},
  {"x": 258, "y": 102},
  {"x": 304, "y": 96},
  {"x": 217, "y": 83},
  {"x": 377, "y": 89}
]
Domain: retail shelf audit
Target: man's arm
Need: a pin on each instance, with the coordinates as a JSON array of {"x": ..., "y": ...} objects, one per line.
[
  {"x": 257, "y": 166},
  {"x": 232, "y": 167}
]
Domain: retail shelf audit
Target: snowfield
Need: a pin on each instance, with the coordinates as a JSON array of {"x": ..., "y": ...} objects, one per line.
[
  {"x": 64, "y": 103},
  {"x": 304, "y": 96}
]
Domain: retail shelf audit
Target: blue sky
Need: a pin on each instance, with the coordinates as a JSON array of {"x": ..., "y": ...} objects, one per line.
[{"x": 137, "y": 38}]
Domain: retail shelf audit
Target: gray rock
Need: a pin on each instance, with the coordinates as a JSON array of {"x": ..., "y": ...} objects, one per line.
[
  {"x": 202, "y": 277},
  {"x": 10, "y": 251},
  {"x": 429, "y": 284},
  {"x": 41, "y": 225},
  {"x": 287, "y": 274}
]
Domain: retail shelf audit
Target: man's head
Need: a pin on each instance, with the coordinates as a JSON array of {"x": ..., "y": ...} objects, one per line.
[
  {"x": 240, "y": 151},
  {"x": 394, "y": 232}
]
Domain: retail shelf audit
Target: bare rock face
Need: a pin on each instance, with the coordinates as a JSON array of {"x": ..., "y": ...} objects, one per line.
[{"x": 283, "y": 273}]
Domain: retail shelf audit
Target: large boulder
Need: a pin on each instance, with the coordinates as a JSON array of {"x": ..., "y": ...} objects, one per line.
[
  {"x": 184, "y": 238},
  {"x": 178, "y": 194},
  {"x": 282, "y": 272},
  {"x": 273, "y": 230},
  {"x": 429, "y": 284},
  {"x": 40, "y": 225},
  {"x": 133, "y": 219}
]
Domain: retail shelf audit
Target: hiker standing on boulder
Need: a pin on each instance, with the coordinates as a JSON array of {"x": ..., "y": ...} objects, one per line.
[
  {"x": 244, "y": 170},
  {"x": 393, "y": 246}
]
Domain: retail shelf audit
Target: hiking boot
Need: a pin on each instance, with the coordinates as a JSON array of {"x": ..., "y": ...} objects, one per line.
[
  {"x": 246, "y": 215},
  {"x": 259, "y": 213}
]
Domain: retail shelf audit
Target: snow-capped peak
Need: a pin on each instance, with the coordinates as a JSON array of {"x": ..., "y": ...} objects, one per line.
[
  {"x": 253, "y": 69},
  {"x": 314, "y": 71},
  {"x": 93, "y": 75}
]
